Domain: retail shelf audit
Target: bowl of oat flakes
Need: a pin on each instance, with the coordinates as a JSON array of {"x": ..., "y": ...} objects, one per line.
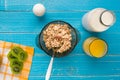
[{"x": 58, "y": 38}]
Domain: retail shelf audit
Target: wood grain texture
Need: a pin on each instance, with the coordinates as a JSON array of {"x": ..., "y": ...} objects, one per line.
[
  {"x": 62, "y": 5},
  {"x": 18, "y": 24},
  {"x": 2, "y": 5},
  {"x": 27, "y": 22}
]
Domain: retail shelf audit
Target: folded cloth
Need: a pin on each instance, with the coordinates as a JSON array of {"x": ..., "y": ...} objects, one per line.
[{"x": 5, "y": 70}]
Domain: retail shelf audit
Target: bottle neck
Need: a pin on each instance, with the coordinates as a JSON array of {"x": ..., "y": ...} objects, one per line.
[{"x": 107, "y": 18}]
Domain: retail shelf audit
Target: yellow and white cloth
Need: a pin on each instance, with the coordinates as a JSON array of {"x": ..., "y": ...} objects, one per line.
[{"x": 5, "y": 70}]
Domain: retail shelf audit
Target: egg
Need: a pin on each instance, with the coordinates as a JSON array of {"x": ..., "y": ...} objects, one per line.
[{"x": 39, "y": 9}]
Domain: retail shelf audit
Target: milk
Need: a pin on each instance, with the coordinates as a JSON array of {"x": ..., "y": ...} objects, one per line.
[{"x": 98, "y": 20}]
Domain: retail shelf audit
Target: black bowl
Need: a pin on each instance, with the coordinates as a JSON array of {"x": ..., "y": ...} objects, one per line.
[{"x": 74, "y": 41}]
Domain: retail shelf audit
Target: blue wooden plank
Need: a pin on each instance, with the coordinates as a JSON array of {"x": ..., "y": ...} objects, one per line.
[
  {"x": 107, "y": 77},
  {"x": 58, "y": 5},
  {"x": 27, "y": 22},
  {"x": 70, "y": 68},
  {"x": 2, "y": 5}
]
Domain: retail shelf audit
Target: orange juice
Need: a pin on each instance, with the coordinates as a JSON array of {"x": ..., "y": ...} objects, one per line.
[{"x": 95, "y": 47}]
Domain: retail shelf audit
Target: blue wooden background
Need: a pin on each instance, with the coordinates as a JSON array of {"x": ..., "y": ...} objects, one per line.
[{"x": 18, "y": 24}]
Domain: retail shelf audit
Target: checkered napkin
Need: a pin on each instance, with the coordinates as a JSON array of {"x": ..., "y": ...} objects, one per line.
[{"x": 5, "y": 70}]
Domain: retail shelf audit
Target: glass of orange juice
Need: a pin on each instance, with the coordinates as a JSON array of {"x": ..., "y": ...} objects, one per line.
[{"x": 95, "y": 47}]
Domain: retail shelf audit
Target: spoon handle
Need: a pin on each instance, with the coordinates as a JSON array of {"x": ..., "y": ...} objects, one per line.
[{"x": 49, "y": 69}]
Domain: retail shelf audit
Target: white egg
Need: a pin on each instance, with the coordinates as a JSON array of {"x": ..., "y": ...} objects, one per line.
[{"x": 39, "y": 9}]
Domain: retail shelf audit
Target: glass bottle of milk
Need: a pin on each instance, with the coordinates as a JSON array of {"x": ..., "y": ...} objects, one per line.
[{"x": 98, "y": 20}]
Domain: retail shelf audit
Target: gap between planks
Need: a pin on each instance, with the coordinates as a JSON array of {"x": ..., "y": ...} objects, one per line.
[
  {"x": 87, "y": 76},
  {"x": 50, "y": 11}
]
